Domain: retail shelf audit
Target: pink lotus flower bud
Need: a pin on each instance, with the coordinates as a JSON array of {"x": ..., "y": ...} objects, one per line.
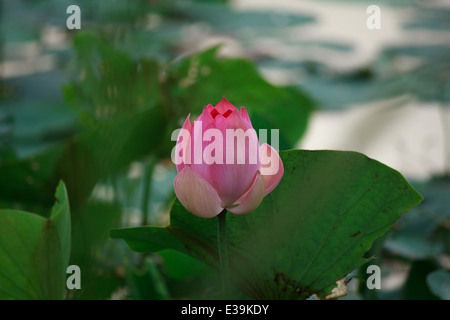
[{"x": 221, "y": 165}]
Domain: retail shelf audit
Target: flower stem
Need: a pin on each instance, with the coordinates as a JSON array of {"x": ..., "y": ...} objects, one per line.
[{"x": 223, "y": 254}]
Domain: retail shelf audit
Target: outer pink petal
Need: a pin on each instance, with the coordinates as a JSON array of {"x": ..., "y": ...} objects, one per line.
[
  {"x": 196, "y": 194},
  {"x": 271, "y": 167},
  {"x": 232, "y": 180},
  {"x": 224, "y": 105},
  {"x": 251, "y": 199},
  {"x": 187, "y": 126}
]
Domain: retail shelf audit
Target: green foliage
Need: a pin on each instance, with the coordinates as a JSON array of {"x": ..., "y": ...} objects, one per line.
[
  {"x": 415, "y": 287},
  {"x": 311, "y": 231},
  {"x": 35, "y": 251},
  {"x": 423, "y": 234},
  {"x": 123, "y": 107},
  {"x": 82, "y": 161},
  {"x": 128, "y": 96},
  {"x": 109, "y": 83},
  {"x": 127, "y": 109},
  {"x": 439, "y": 283},
  {"x": 146, "y": 283},
  {"x": 181, "y": 266}
]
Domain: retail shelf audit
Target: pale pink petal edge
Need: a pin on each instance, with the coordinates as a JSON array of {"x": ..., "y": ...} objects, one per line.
[
  {"x": 251, "y": 199},
  {"x": 196, "y": 194},
  {"x": 273, "y": 179}
]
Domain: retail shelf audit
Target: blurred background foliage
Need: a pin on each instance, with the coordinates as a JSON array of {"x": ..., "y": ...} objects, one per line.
[{"x": 96, "y": 108}]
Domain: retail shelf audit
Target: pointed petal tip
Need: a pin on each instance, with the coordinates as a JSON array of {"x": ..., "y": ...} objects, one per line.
[
  {"x": 245, "y": 115},
  {"x": 187, "y": 123},
  {"x": 224, "y": 105}
]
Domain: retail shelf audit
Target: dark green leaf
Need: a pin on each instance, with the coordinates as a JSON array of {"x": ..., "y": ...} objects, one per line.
[
  {"x": 146, "y": 283},
  {"x": 311, "y": 231},
  {"x": 83, "y": 160},
  {"x": 439, "y": 284},
  {"x": 415, "y": 287},
  {"x": 34, "y": 252},
  {"x": 109, "y": 83}
]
